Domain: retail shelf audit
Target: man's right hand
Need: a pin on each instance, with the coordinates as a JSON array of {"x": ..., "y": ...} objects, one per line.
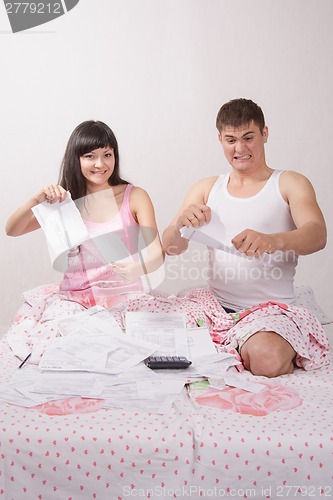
[{"x": 194, "y": 216}]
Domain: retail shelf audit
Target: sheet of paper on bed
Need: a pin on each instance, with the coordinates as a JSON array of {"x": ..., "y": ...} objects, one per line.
[
  {"x": 50, "y": 385},
  {"x": 215, "y": 365},
  {"x": 16, "y": 391},
  {"x": 167, "y": 330},
  {"x": 214, "y": 235},
  {"x": 20, "y": 390},
  {"x": 155, "y": 396},
  {"x": 242, "y": 382},
  {"x": 139, "y": 388},
  {"x": 63, "y": 227},
  {"x": 199, "y": 343},
  {"x": 106, "y": 353},
  {"x": 97, "y": 320}
]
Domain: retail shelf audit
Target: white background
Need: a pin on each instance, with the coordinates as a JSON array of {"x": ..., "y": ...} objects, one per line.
[{"x": 157, "y": 71}]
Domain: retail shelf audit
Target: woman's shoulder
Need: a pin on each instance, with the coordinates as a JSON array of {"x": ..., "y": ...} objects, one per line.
[
  {"x": 138, "y": 197},
  {"x": 137, "y": 191}
]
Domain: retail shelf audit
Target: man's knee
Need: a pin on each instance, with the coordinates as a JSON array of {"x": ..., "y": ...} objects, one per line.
[{"x": 267, "y": 354}]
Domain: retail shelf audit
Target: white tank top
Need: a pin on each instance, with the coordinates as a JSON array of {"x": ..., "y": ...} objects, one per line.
[{"x": 240, "y": 282}]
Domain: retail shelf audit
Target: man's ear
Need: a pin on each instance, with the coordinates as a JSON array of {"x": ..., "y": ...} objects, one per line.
[
  {"x": 265, "y": 133},
  {"x": 219, "y": 136}
]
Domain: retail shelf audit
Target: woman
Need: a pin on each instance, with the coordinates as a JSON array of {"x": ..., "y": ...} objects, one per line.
[{"x": 119, "y": 217}]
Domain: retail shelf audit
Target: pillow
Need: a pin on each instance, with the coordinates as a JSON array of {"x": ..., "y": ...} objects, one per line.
[{"x": 305, "y": 298}]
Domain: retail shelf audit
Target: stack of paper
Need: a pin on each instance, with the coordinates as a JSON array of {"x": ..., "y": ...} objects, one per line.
[{"x": 94, "y": 358}]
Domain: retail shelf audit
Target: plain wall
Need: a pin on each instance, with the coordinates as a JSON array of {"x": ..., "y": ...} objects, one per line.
[{"x": 157, "y": 72}]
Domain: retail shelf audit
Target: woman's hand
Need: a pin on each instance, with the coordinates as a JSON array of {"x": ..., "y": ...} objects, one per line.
[
  {"x": 51, "y": 193},
  {"x": 129, "y": 271}
]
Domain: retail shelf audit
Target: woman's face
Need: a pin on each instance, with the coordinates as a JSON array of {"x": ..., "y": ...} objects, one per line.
[{"x": 97, "y": 166}]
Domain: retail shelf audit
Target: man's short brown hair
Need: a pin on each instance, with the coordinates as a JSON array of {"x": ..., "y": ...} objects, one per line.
[{"x": 238, "y": 112}]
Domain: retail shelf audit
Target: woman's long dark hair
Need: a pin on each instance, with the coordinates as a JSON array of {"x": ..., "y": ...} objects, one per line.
[{"x": 86, "y": 137}]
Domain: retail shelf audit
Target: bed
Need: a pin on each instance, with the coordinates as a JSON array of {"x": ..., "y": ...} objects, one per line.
[{"x": 74, "y": 448}]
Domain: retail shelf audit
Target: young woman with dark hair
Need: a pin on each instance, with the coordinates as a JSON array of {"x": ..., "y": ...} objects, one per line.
[{"x": 112, "y": 209}]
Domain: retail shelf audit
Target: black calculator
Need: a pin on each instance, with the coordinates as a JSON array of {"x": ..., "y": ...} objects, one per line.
[{"x": 167, "y": 362}]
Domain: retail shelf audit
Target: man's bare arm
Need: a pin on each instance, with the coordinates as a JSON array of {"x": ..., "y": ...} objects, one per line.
[
  {"x": 193, "y": 213},
  {"x": 310, "y": 234}
]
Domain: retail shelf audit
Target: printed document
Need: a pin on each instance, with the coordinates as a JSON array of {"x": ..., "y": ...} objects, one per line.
[
  {"x": 63, "y": 227},
  {"x": 105, "y": 353},
  {"x": 168, "y": 330}
]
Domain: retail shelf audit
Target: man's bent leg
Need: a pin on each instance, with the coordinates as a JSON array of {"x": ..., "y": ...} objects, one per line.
[{"x": 268, "y": 354}]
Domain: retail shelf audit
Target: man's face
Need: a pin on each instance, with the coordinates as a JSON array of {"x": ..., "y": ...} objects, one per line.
[{"x": 244, "y": 146}]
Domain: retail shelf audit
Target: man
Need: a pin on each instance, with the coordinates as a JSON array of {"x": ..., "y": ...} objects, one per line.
[{"x": 264, "y": 211}]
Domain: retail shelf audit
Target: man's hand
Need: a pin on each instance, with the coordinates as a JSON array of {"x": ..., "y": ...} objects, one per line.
[
  {"x": 194, "y": 216},
  {"x": 254, "y": 244}
]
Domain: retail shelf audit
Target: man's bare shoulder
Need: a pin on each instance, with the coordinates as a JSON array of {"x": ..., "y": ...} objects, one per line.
[
  {"x": 199, "y": 192},
  {"x": 205, "y": 184},
  {"x": 293, "y": 177},
  {"x": 292, "y": 182}
]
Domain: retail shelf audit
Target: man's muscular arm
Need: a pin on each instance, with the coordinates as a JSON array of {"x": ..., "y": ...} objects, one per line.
[
  {"x": 193, "y": 213},
  {"x": 310, "y": 233}
]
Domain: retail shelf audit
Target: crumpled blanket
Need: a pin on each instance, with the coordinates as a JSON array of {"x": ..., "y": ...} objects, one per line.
[{"x": 34, "y": 324}]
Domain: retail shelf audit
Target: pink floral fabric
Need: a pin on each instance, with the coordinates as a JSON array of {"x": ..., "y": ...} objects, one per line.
[
  {"x": 274, "y": 397},
  {"x": 34, "y": 326},
  {"x": 70, "y": 406}
]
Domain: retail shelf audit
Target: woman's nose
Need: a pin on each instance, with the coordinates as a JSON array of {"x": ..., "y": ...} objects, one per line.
[{"x": 99, "y": 162}]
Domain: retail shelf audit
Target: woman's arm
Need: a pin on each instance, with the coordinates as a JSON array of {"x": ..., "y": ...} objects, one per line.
[
  {"x": 143, "y": 212},
  {"x": 23, "y": 221}
]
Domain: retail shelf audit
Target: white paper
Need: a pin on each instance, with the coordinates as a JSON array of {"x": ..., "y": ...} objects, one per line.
[
  {"x": 154, "y": 396},
  {"x": 63, "y": 227},
  {"x": 168, "y": 330},
  {"x": 97, "y": 320},
  {"x": 200, "y": 343},
  {"x": 234, "y": 380},
  {"x": 214, "y": 235},
  {"x": 105, "y": 353},
  {"x": 215, "y": 365}
]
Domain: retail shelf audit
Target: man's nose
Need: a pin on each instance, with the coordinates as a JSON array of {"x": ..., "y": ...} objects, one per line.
[{"x": 239, "y": 146}]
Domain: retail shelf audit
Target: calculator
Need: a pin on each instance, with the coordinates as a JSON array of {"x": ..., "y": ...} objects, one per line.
[{"x": 167, "y": 362}]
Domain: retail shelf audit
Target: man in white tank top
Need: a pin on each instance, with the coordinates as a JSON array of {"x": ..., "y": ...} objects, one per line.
[{"x": 264, "y": 212}]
